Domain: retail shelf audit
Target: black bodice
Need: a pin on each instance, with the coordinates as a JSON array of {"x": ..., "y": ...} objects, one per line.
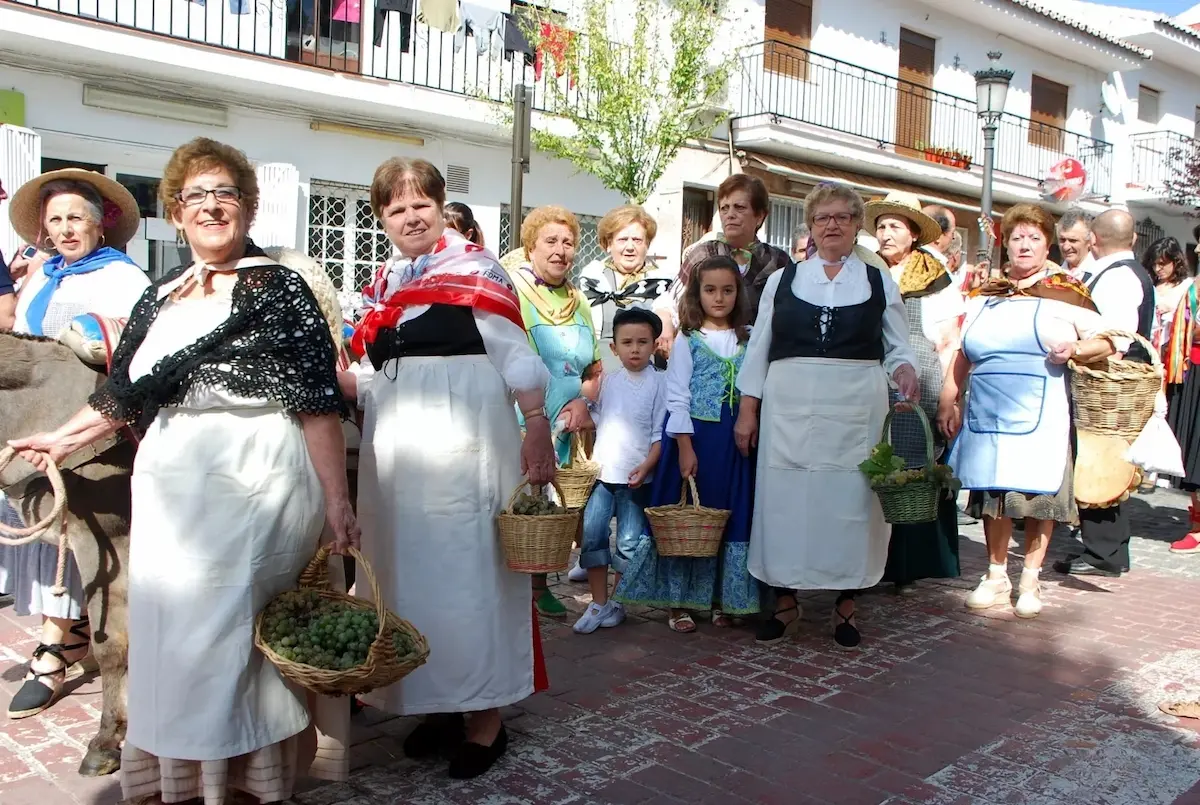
[
  {"x": 851, "y": 332},
  {"x": 441, "y": 331}
]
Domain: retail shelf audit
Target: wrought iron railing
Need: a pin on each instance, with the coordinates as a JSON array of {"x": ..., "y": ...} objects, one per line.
[
  {"x": 1157, "y": 156},
  {"x": 792, "y": 83},
  {"x": 346, "y": 36}
]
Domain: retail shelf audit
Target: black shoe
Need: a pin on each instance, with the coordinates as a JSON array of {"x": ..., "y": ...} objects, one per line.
[
  {"x": 773, "y": 630},
  {"x": 472, "y": 759},
  {"x": 436, "y": 735},
  {"x": 1078, "y": 567},
  {"x": 845, "y": 634}
]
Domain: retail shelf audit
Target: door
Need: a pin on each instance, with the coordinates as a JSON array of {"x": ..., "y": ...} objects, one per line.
[
  {"x": 697, "y": 215},
  {"x": 156, "y": 246},
  {"x": 914, "y": 96}
]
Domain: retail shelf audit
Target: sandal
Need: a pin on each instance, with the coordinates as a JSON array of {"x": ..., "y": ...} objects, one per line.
[
  {"x": 773, "y": 630},
  {"x": 547, "y": 603},
  {"x": 683, "y": 624},
  {"x": 845, "y": 634},
  {"x": 1181, "y": 709},
  {"x": 720, "y": 620},
  {"x": 44, "y": 688}
]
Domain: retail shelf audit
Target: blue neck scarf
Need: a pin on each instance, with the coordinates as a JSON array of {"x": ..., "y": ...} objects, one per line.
[{"x": 55, "y": 269}]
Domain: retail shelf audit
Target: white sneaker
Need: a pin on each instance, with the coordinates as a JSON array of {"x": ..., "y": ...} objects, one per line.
[
  {"x": 577, "y": 573},
  {"x": 616, "y": 615},
  {"x": 990, "y": 592},
  {"x": 593, "y": 617},
  {"x": 1029, "y": 602}
]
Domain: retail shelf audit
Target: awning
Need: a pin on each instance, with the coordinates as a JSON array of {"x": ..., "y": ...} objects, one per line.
[{"x": 811, "y": 173}]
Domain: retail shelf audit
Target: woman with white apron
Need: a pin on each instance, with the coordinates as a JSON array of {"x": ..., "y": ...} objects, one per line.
[
  {"x": 441, "y": 453},
  {"x": 1013, "y": 446},
  {"x": 829, "y": 333}
]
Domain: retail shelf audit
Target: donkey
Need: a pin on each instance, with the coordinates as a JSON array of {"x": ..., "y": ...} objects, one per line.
[{"x": 42, "y": 383}]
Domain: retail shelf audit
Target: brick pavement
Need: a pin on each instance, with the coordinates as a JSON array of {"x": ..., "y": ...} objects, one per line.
[{"x": 940, "y": 705}]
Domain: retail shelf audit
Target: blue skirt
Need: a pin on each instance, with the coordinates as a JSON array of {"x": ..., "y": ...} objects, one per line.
[{"x": 725, "y": 480}]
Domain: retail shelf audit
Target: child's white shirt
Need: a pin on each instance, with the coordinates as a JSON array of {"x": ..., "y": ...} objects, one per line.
[
  {"x": 630, "y": 415},
  {"x": 679, "y": 375}
]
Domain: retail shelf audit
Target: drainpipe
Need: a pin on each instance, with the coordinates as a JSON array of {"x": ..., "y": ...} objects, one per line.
[{"x": 729, "y": 139}]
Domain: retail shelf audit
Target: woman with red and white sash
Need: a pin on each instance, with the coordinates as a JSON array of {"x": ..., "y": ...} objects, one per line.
[{"x": 441, "y": 452}]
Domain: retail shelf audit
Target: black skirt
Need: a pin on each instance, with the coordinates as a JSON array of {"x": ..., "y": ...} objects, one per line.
[{"x": 1183, "y": 414}]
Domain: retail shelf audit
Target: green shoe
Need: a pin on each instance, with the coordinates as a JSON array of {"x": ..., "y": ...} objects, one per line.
[{"x": 547, "y": 604}]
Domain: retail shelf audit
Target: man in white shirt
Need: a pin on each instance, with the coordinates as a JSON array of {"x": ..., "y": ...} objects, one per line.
[
  {"x": 1075, "y": 242},
  {"x": 945, "y": 219},
  {"x": 1124, "y": 296}
]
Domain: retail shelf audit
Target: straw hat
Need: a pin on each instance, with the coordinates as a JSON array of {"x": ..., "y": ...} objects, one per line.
[
  {"x": 121, "y": 215},
  {"x": 318, "y": 282},
  {"x": 905, "y": 205}
]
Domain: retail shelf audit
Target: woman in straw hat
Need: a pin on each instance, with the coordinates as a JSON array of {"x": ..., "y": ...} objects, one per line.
[
  {"x": 229, "y": 366},
  {"x": 81, "y": 218},
  {"x": 931, "y": 306}
]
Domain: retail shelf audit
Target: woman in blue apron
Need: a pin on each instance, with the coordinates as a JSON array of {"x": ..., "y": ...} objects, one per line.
[{"x": 1013, "y": 447}]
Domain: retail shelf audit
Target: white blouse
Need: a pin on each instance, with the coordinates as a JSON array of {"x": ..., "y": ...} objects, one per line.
[
  {"x": 679, "y": 375},
  {"x": 507, "y": 347},
  {"x": 851, "y": 286},
  {"x": 111, "y": 291},
  {"x": 629, "y": 420}
]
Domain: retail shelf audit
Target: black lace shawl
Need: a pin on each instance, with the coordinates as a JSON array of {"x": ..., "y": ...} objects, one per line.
[{"x": 274, "y": 345}]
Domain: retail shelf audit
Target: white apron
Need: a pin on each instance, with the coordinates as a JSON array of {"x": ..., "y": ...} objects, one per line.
[
  {"x": 440, "y": 456},
  {"x": 1017, "y": 404},
  {"x": 227, "y": 510},
  {"x": 817, "y": 524}
]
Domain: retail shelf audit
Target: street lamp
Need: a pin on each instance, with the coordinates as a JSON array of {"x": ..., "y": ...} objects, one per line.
[{"x": 991, "y": 89}]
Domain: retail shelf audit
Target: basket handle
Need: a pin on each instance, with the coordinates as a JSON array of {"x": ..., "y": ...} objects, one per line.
[
  {"x": 536, "y": 490},
  {"x": 316, "y": 576},
  {"x": 1155, "y": 358},
  {"x": 577, "y": 451},
  {"x": 924, "y": 419},
  {"x": 689, "y": 483}
]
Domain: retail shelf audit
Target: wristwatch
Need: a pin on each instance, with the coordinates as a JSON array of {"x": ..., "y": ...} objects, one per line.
[{"x": 533, "y": 413}]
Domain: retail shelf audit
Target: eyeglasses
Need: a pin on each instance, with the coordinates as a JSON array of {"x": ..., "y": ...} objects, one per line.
[
  {"x": 842, "y": 218},
  {"x": 195, "y": 196}
]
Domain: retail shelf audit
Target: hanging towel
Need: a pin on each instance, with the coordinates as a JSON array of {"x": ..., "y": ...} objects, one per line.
[
  {"x": 440, "y": 14},
  {"x": 404, "y": 8}
]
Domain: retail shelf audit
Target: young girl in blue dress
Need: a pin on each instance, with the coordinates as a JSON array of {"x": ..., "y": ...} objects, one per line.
[{"x": 702, "y": 407}]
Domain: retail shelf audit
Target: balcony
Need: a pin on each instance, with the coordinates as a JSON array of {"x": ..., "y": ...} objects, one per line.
[
  {"x": 786, "y": 82},
  {"x": 1158, "y": 156},
  {"x": 341, "y": 36}
]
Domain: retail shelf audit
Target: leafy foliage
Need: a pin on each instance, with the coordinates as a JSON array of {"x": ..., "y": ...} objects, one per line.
[
  {"x": 639, "y": 103},
  {"x": 1183, "y": 185}
]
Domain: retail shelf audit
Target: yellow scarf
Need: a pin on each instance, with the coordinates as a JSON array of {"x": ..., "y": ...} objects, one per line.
[{"x": 555, "y": 305}]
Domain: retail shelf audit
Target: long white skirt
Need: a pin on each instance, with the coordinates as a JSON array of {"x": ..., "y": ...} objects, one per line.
[
  {"x": 440, "y": 456},
  {"x": 227, "y": 510},
  {"x": 27, "y": 573},
  {"x": 817, "y": 524}
]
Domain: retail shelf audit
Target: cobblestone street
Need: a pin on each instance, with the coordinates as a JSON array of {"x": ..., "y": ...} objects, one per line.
[{"x": 940, "y": 705}]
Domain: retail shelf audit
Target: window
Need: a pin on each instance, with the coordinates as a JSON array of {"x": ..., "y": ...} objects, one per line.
[
  {"x": 914, "y": 100},
  {"x": 345, "y": 237},
  {"x": 786, "y": 214},
  {"x": 1048, "y": 102},
  {"x": 1147, "y": 104},
  {"x": 788, "y": 27},
  {"x": 586, "y": 250}
]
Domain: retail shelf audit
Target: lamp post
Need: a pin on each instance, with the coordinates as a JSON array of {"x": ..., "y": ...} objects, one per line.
[{"x": 991, "y": 89}]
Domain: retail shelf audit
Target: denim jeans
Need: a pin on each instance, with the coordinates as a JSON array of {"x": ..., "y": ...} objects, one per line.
[{"x": 629, "y": 507}]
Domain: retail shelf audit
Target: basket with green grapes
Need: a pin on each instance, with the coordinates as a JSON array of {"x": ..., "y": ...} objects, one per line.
[{"x": 907, "y": 496}]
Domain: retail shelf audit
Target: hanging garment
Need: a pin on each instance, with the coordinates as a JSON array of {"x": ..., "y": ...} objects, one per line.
[
  {"x": 404, "y": 11},
  {"x": 555, "y": 43},
  {"x": 347, "y": 11},
  {"x": 515, "y": 40},
  {"x": 485, "y": 24},
  {"x": 440, "y": 14}
]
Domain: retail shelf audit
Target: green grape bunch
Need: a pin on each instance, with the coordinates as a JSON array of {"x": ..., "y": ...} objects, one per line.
[
  {"x": 303, "y": 627},
  {"x": 535, "y": 505}
]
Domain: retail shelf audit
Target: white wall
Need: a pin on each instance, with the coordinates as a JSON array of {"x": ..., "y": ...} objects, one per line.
[{"x": 142, "y": 145}]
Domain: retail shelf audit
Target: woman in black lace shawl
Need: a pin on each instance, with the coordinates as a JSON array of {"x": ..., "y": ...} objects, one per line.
[{"x": 228, "y": 366}]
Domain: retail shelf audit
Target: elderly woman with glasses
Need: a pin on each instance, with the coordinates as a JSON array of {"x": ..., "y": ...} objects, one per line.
[
  {"x": 829, "y": 334},
  {"x": 81, "y": 219},
  {"x": 229, "y": 366}
]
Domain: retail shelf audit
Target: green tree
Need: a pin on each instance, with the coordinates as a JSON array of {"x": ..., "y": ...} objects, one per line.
[{"x": 637, "y": 98}]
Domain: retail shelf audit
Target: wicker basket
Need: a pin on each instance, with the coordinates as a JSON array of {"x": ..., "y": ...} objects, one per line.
[
  {"x": 683, "y": 530},
  {"x": 1116, "y": 397},
  {"x": 576, "y": 479},
  {"x": 916, "y": 502},
  {"x": 537, "y": 543},
  {"x": 383, "y": 666}
]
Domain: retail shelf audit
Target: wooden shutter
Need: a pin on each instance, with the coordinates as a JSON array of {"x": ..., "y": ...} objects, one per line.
[
  {"x": 1048, "y": 113},
  {"x": 789, "y": 23},
  {"x": 697, "y": 215},
  {"x": 20, "y": 161},
  {"x": 914, "y": 98},
  {"x": 278, "y": 205}
]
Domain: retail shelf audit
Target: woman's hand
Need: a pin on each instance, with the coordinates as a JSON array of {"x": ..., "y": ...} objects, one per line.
[
  {"x": 745, "y": 430},
  {"x": 949, "y": 418},
  {"x": 689, "y": 465},
  {"x": 1061, "y": 353},
  {"x": 343, "y": 525},
  {"x": 38, "y": 448},
  {"x": 576, "y": 417},
  {"x": 537, "y": 452},
  {"x": 907, "y": 384},
  {"x": 348, "y": 383}
]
